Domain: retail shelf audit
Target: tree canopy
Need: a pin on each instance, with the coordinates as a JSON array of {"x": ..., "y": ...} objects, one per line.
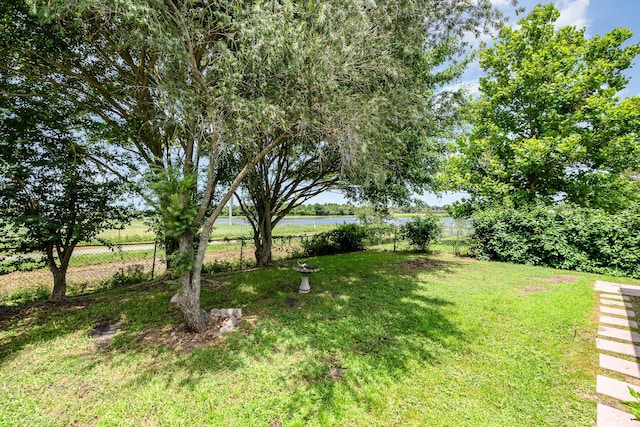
[
  {"x": 56, "y": 187},
  {"x": 188, "y": 85},
  {"x": 549, "y": 124}
]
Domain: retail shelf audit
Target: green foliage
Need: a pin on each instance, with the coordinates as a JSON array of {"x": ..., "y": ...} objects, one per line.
[
  {"x": 568, "y": 237},
  {"x": 420, "y": 232},
  {"x": 323, "y": 209},
  {"x": 634, "y": 405},
  {"x": 549, "y": 124},
  {"x": 132, "y": 275},
  {"x": 27, "y": 296},
  {"x": 218, "y": 266},
  {"x": 344, "y": 238}
]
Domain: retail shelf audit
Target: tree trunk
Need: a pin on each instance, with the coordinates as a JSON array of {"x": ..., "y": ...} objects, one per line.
[
  {"x": 59, "y": 272},
  {"x": 59, "y": 284},
  {"x": 264, "y": 242},
  {"x": 263, "y": 238},
  {"x": 170, "y": 247},
  {"x": 187, "y": 300}
]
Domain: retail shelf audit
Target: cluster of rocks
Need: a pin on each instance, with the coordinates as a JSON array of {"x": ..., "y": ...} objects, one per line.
[{"x": 232, "y": 315}]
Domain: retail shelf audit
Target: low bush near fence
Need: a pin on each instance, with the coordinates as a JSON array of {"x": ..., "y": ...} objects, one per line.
[
  {"x": 344, "y": 238},
  {"x": 420, "y": 232},
  {"x": 567, "y": 237}
]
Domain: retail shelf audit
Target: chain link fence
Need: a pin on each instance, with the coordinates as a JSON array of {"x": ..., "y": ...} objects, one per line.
[{"x": 94, "y": 267}]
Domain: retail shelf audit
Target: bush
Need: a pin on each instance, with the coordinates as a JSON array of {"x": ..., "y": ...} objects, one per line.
[
  {"x": 422, "y": 231},
  {"x": 133, "y": 274},
  {"x": 220, "y": 266},
  {"x": 344, "y": 238},
  {"x": 567, "y": 237}
]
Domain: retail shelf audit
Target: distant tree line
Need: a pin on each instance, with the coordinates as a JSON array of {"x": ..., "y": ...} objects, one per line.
[{"x": 342, "y": 209}]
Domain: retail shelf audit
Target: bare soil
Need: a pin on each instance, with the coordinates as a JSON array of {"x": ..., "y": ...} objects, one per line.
[
  {"x": 181, "y": 340},
  {"x": 560, "y": 278}
]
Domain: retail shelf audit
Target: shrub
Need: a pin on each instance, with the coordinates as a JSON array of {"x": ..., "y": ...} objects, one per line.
[
  {"x": 567, "y": 237},
  {"x": 422, "y": 231},
  {"x": 132, "y": 275},
  {"x": 220, "y": 266},
  {"x": 344, "y": 238}
]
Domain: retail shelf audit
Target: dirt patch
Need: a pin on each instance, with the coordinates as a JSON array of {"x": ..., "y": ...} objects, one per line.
[
  {"x": 336, "y": 373},
  {"x": 560, "y": 278},
  {"x": 180, "y": 339},
  {"x": 103, "y": 333},
  {"x": 421, "y": 263},
  {"x": 292, "y": 303},
  {"x": 530, "y": 289}
]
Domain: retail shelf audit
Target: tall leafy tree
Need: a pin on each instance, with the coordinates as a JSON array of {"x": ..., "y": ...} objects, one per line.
[
  {"x": 187, "y": 85},
  {"x": 285, "y": 178},
  {"x": 549, "y": 124},
  {"x": 56, "y": 188}
]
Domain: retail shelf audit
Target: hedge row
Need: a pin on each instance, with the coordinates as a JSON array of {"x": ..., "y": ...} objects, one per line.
[{"x": 567, "y": 237}]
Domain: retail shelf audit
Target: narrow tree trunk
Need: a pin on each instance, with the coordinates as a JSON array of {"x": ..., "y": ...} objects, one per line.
[
  {"x": 263, "y": 238},
  {"x": 59, "y": 284},
  {"x": 187, "y": 300},
  {"x": 264, "y": 243},
  {"x": 59, "y": 272}
]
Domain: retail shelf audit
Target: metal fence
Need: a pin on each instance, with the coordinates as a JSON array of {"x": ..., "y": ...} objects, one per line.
[{"x": 93, "y": 267}]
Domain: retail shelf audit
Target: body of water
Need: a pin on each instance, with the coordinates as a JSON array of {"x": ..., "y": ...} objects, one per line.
[{"x": 326, "y": 220}]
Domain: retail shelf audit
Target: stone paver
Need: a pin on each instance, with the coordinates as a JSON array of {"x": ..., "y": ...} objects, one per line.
[
  {"x": 620, "y": 334},
  {"x": 617, "y": 311},
  {"x": 615, "y": 303},
  {"x": 611, "y": 417},
  {"x": 614, "y": 388},
  {"x": 614, "y": 300},
  {"x": 612, "y": 285},
  {"x": 618, "y": 321},
  {"x": 621, "y": 366},
  {"x": 617, "y": 297},
  {"x": 630, "y": 291},
  {"x": 617, "y": 347}
]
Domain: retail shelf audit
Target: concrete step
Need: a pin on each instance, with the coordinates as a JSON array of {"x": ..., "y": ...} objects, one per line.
[
  {"x": 618, "y": 321},
  {"x": 617, "y": 297},
  {"x": 620, "y": 334},
  {"x": 615, "y": 303},
  {"x": 612, "y": 417},
  {"x": 622, "y": 366},
  {"x": 617, "y": 347},
  {"x": 614, "y": 388},
  {"x": 617, "y": 311}
]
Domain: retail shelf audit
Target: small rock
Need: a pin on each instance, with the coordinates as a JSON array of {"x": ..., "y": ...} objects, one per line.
[
  {"x": 229, "y": 325},
  {"x": 336, "y": 373},
  {"x": 292, "y": 302},
  {"x": 226, "y": 312}
]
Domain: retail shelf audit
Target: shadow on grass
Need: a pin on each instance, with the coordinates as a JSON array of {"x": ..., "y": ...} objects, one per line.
[
  {"x": 142, "y": 305},
  {"x": 369, "y": 317}
]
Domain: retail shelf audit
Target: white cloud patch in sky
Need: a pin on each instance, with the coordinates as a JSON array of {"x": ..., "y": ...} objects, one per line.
[
  {"x": 501, "y": 3},
  {"x": 472, "y": 87},
  {"x": 572, "y": 12}
]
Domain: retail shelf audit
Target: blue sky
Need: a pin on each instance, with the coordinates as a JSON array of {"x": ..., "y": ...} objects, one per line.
[{"x": 597, "y": 16}]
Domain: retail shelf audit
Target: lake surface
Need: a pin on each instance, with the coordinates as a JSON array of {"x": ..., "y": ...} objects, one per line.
[{"x": 332, "y": 220}]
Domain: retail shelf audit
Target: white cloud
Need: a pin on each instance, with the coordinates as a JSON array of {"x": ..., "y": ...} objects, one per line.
[
  {"x": 572, "y": 12},
  {"x": 471, "y": 86},
  {"x": 501, "y": 3}
]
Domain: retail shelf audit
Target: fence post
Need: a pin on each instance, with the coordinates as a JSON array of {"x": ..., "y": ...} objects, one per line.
[
  {"x": 153, "y": 266},
  {"x": 395, "y": 237},
  {"x": 241, "y": 251}
]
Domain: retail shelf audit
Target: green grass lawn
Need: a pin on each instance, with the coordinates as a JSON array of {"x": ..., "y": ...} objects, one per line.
[{"x": 442, "y": 341}]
